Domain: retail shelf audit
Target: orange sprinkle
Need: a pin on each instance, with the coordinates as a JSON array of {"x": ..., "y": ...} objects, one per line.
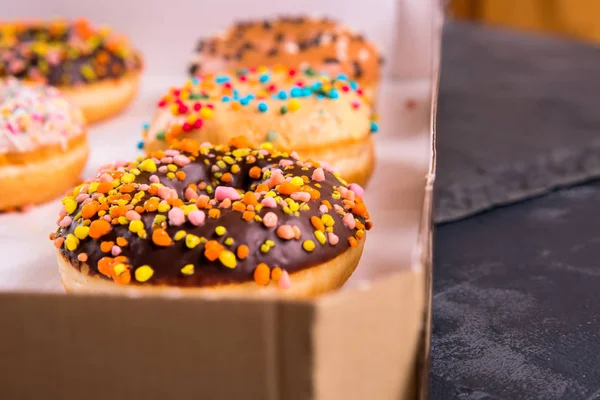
[
  {"x": 255, "y": 172},
  {"x": 287, "y": 188},
  {"x": 239, "y": 142},
  {"x": 227, "y": 177},
  {"x": 124, "y": 278},
  {"x": 104, "y": 265},
  {"x": 317, "y": 223},
  {"x": 89, "y": 210},
  {"x": 263, "y": 187},
  {"x": 106, "y": 247},
  {"x": 212, "y": 250},
  {"x": 360, "y": 234},
  {"x": 352, "y": 241},
  {"x": 122, "y": 242},
  {"x": 104, "y": 187},
  {"x": 139, "y": 209},
  {"x": 262, "y": 274},
  {"x": 99, "y": 228},
  {"x": 180, "y": 175},
  {"x": 151, "y": 204},
  {"x": 368, "y": 225},
  {"x": 153, "y": 190},
  {"x": 242, "y": 251},
  {"x": 249, "y": 199},
  {"x": 189, "y": 145},
  {"x": 327, "y": 204},
  {"x": 238, "y": 206},
  {"x": 248, "y": 215},
  {"x": 276, "y": 273},
  {"x": 315, "y": 195},
  {"x": 359, "y": 209},
  {"x": 160, "y": 237},
  {"x": 173, "y": 202},
  {"x": 103, "y": 207},
  {"x": 127, "y": 188},
  {"x": 83, "y": 257},
  {"x": 214, "y": 213},
  {"x": 118, "y": 211},
  {"x": 202, "y": 202}
]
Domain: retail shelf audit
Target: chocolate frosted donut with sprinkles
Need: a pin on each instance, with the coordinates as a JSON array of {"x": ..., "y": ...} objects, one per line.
[
  {"x": 43, "y": 146},
  {"x": 197, "y": 219},
  {"x": 323, "y": 43},
  {"x": 95, "y": 67},
  {"x": 322, "y": 118}
]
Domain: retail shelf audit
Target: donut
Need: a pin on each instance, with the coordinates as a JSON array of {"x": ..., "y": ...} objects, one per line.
[
  {"x": 43, "y": 146},
  {"x": 323, "y": 43},
  {"x": 96, "y": 68},
  {"x": 200, "y": 219},
  {"x": 322, "y": 118}
]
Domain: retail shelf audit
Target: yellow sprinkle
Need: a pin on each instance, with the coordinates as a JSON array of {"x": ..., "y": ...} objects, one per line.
[
  {"x": 227, "y": 258},
  {"x": 308, "y": 245},
  {"x": 148, "y": 165},
  {"x": 82, "y": 232},
  {"x": 229, "y": 160},
  {"x": 179, "y": 235},
  {"x": 172, "y": 167},
  {"x": 143, "y": 273},
  {"x": 294, "y": 206},
  {"x": 206, "y": 113},
  {"x": 93, "y": 187},
  {"x": 159, "y": 219},
  {"x": 264, "y": 248},
  {"x": 136, "y": 226},
  {"x": 297, "y": 181},
  {"x": 163, "y": 207},
  {"x": 240, "y": 152},
  {"x": 228, "y": 241},
  {"x": 221, "y": 164},
  {"x": 119, "y": 269},
  {"x": 192, "y": 241},
  {"x": 142, "y": 234},
  {"x": 188, "y": 269},
  {"x": 327, "y": 220},
  {"x": 270, "y": 243},
  {"x": 235, "y": 169},
  {"x": 320, "y": 237},
  {"x": 220, "y": 230},
  {"x": 293, "y": 105},
  {"x": 127, "y": 177},
  {"x": 122, "y": 220},
  {"x": 71, "y": 242},
  {"x": 258, "y": 207},
  {"x": 174, "y": 109},
  {"x": 76, "y": 190},
  {"x": 266, "y": 146},
  {"x": 70, "y": 205},
  {"x": 135, "y": 171}
]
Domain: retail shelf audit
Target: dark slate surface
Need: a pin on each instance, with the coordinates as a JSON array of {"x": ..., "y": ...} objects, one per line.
[
  {"x": 516, "y": 309},
  {"x": 518, "y": 115}
]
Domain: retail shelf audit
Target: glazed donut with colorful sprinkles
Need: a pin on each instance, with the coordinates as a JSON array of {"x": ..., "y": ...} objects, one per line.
[
  {"x": 95, "y": 67},
  {"x": 43, "y": 146},
  {"x": 323, "y": 43},
  {"x": 322, "y": 118},
  {"x": 198, "y": 219}
]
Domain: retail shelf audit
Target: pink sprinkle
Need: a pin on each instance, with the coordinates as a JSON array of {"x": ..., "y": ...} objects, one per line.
[
  {"x": 66, "y": 221},
  {"x": 349, "y": 221},
  {"x": 176, "y": 216},
  {"x": 276, "y": 179},
  {"x": 171, "y": 153},
  {"x": 27, "y": 208},
  {"x": 226, "y": 192},
  {"x": 300, "y": 196},
  {"x": 190, "y": 194},
  {"x": 107, "y": 218},
  {"x": 166, "y": 160},
  {"x": 121, "y": 163},
  {"x": 196, "y": 217},
  {"x": 323, "y": 208},
  {"x": 181, "y": 160},
  {"x": 97, "y": 195},
  {"x": 84, "y": 188},
  {"x": 333, "y": 238},
  {"x": 133, "y": 215},
  {"x": 286, "y": 163},
  {"x": 318, "y": 175},
  {"x": 143, "y": 187},
  {"x": 81, "y": 197},
  {"x": 206, "y": 144},
  {"x": 268, "y": 202},
  {"x": 343, "y": 191},
  {"x": 284, "y": 281},
  {"x": 154, "y": 179},
  {"x": 270, "y": 219},
  {"x": 163, "y": 169},
  {"x": 263, "y": 152},
  {"x": 294, "y": 155},
  {"x": 286, "y": 232},
  {"x": 357, "y": 189},
  {"x": 106, "y": 178},
  {"x": 115, "y": 251},
  {"x": 338, "y": 208}
]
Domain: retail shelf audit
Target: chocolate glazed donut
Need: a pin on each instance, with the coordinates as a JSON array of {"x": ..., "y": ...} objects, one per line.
[{"x": 201, "y": 216}]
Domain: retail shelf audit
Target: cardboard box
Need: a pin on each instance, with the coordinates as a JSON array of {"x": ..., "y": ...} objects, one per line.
[{"x": 369, "y": 340}]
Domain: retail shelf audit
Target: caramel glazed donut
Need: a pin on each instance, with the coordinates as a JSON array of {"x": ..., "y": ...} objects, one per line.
[
  {"x": 324, "y": 44},
  {"x": 43, "y": 146},
  {"x": 197, "y": 219},
  {"x": 322, "y": 118},
  {"x": 97, "y": 69}
]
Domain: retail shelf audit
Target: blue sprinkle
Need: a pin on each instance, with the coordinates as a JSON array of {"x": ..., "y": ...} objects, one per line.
[
  {"x": 146, "y": 126},
  {"x": 244, "y": 101},
  {"x": 263, "y": 78},
  {"x": 296, "y": 92},
  {"x": 320, "y": 96},
  {"x": 262, "y": 107},
  {"x": 333, "y": 94},
  {"x": 353, "y": 85},
  {"x": 140, "y": 145},
  {"x": 222, "y": 79},
  {"x": 342, "y": 77},
  {"x": 282, "y": 95},
  {"x": 195, "y": 81},
  {"x": 271, "y": 136},
  {"x": 316, "y": 86},
  {"x": 374, "y": 127},
  {"x": 306, "y": 92},
  {"x": 225, "y": 99},
  {"x": 250, "y": 96}
]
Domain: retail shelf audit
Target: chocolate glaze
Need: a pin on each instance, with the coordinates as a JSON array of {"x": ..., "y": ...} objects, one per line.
[{"x": 168, "y": 261}]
